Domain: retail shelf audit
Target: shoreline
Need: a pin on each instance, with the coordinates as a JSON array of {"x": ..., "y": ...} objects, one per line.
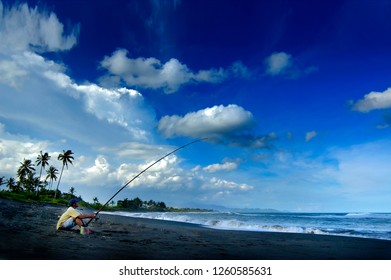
[
  {"x": 27, "y": 231},
  {"x": 130, "y": 214}
]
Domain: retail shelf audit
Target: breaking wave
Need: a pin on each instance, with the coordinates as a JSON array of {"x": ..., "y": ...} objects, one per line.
[{"x": 369, "y": 225}]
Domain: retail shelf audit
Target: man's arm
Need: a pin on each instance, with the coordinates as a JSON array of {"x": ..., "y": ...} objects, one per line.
[{"x": 86, "y": 216}]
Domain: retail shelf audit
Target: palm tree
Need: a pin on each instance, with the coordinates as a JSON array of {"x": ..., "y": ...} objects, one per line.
[
  {"x": 42, "y": 160},
  {"x": 25, "y": 170},
  {"x": 26, "y": 167},
  {"x": 96, "y": 202},
  {"x": 12, "y": 186},
  {"x": 72, "y": 191},
  {"x": 52, "y": 175},
  {"x": 66, "y": 158},
  {"x": 33, "y": 183}
]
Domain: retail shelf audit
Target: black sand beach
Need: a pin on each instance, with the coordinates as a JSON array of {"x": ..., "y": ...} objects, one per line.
[{"x": 27, "y": 231}]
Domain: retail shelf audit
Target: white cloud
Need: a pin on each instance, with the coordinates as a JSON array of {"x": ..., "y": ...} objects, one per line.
[
  {"x": 11, "y": 73},
  {"x": 161, "y": 165},
  {"x": 220, "y": 124},
  {"x": 15, "y": 148},
  {"x": 26, "y": 93},
  {"x": 166, "y": 174},
  {"x": 226, "y": 166},
  {"x": 215, "y": 120},
  {"x": 93, "y": 171},
  {"x": 101, "y": 166},
  {"x": 137, "y": 150},
  {"x": 86, "y": 171},
  {"x": 121, "y": 106},
  {"x": 96, "y": 174},
  {"x": 283, "y": 64},
  {"x": 24, "y": 28},
  {"x": 374, "y": 101},
  {"x": 217, "y": 183},
  {"x": 278, "y": 63},
  {"x": 43, "y": 101},
  {"x": 310, "y": 135},
  {"x": 169, "y": 76}
]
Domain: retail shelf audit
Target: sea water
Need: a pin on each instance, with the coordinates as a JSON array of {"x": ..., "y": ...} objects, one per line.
[{"x": 366, "y": 225}]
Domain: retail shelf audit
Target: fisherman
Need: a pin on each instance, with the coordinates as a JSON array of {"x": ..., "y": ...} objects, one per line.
[{"x": 72, "y": 217}]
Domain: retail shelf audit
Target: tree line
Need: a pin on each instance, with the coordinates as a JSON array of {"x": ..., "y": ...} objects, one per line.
[
  {"x": 138, "y": 204},
  {"x": 33, "y": 184}
]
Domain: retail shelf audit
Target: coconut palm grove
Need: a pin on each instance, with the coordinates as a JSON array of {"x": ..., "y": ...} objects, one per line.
[{"x": 35, "y": 181}]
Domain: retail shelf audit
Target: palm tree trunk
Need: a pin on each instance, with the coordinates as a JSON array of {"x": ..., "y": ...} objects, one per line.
[
  {"x": 40, "y": 174},
  {"x": 62, "y": 169}
]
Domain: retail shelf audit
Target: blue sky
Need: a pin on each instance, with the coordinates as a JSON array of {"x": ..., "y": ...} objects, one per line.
[{"x": 294, "y": 97}]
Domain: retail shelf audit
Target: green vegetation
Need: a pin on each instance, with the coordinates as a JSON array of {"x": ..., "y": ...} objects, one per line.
[{"x": 29, "y": 187}]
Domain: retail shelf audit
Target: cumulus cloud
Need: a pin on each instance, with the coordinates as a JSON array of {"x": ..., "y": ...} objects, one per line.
[
  {"x": 216, "y": 183},
  {"x": 105, "y": 171},
  {"x": 214, "y": 120},
  {"x": 28, "y": 30},
  {"x": 226, "y": 166},
  {"x": 95, "y": 174},
  {"x": 283, "y": 64},
  {"x": 13, "y": 149},
  {"x": 221, "y": 124},
  {"x": 24, "y": 28},
  {"x": 373, "y": 101},
  {"x": 92, "y": 171},
  {"x": 153, "y": 74},
  {"x": 40, "y": 95},
  {"x": 120, "y": 106},
  {"x": 166, "y": 174}
]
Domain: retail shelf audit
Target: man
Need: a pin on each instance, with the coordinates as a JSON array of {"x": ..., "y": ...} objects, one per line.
[{"x": 73, "y": 217}]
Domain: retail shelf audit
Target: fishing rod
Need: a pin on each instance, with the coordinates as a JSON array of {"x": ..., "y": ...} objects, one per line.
[{"x": 139, "y": 174}]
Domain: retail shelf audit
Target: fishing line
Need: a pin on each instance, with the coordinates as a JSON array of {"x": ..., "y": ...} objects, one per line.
[{"x": 139, "y": 174}]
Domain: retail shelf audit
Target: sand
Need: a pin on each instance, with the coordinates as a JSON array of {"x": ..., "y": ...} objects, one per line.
[{"x": 27, "y": 231}]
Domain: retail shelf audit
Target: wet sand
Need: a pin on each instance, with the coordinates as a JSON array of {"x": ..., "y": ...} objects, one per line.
[{"x": 27, "y": 231}]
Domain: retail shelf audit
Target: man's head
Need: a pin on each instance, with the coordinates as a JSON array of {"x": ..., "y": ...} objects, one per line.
[{"x": 74, "y": 202}]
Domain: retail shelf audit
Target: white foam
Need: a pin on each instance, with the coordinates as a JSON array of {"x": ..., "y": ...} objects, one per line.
[
  {"x": 335, "y": 224},
  {"x": 357, "y": 214}
]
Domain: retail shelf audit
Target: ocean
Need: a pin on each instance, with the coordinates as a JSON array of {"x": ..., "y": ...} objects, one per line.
[{"x": 365, "y": 225}]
